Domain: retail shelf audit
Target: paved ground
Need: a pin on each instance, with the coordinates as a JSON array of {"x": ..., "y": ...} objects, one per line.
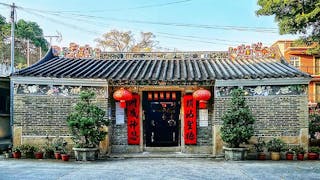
[{"x": 163, "y": 168}]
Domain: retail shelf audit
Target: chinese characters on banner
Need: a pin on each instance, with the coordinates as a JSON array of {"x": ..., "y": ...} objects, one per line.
[
  {"x": 190, "y": 120},
  {"x": 133, "y": 108}
]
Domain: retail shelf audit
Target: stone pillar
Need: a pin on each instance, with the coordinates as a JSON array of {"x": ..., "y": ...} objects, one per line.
[
  {"x": 17, "y": 133},
  {"x": 304, "y": 138},
  {"x": 217, "y": 141},
  {"x": 104, "y": 145}
]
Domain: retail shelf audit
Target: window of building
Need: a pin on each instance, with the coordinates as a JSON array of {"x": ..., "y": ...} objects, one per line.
[
  {"x": 317, "y": 71},
  {"x": 295, "y": 61},
  {"x": 317, "y": 95}
]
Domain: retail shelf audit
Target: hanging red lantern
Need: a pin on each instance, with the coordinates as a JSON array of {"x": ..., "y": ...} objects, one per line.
[
  {"x": 122, "y": 95},
  {"x": 202, "y": 95}
]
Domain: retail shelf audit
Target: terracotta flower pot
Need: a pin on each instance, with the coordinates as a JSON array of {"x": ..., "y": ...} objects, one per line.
[
  {"x": 261, "y": 156},
  {"x": 38, "y": 155},
  {"x": 289, "y": 156},
  {"x": 300, "y": 157},
  {"x": 57, "y": 155},
  {"x": 16, "y": 155},
  {"x": 275, "y": 156},
  {"x": 65, "y": 157},
  {"x": 313, "y": 156}
]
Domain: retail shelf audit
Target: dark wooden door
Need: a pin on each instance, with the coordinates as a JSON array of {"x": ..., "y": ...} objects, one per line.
[{"x": 162, "y": 123}]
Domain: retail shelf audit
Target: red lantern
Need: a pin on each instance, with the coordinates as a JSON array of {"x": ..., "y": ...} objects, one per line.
[
  {"x": 122, "y": 95},
  {"x": 202, "y": 95}
]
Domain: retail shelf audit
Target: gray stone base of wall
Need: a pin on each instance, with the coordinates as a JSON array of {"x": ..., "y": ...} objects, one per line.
[
  {"x": 125, "y": 149},
  {"x": 197, "y": 149}
]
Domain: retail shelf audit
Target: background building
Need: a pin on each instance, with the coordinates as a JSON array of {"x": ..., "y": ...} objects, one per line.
[{"x": 298, "y": 57}]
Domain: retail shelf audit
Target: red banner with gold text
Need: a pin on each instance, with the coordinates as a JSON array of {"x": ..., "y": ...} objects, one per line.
[
  {"x": 133, "y": 114},
  {"x": 190, "y": 119}
]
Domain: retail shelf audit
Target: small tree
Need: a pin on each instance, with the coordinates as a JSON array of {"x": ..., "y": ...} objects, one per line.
[
  {"x": 238, "y": 121},
  {"x": 87, "y": 121}
]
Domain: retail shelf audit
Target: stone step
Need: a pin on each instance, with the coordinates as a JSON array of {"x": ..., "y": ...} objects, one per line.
[
  {"x": 162, "y": 149},
  {"x": 162, "y": 155}
]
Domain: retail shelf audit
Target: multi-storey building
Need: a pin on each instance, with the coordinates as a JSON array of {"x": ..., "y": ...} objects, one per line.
[{"x": 298, "y": 57}]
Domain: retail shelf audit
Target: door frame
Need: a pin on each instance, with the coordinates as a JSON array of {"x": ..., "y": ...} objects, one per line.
[{"x": 143, "y": 120}]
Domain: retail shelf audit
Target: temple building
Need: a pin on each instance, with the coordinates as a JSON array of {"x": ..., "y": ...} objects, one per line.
[{"x": 163, "y": 114}]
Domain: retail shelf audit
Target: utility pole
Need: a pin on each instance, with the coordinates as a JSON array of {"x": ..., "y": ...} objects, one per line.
[
  {"x": 28, "y": 52},
  {"x": 12, "y": 35}
]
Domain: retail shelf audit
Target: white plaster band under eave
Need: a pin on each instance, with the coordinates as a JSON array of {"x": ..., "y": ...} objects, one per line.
[
  {"x": 59, "y": 81},
  {"x": 261, "y": 82},
  {"x": 35, "y": 136}
]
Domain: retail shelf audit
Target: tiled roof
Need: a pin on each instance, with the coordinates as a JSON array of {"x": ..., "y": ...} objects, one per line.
[{"x": 161, "y": 70}]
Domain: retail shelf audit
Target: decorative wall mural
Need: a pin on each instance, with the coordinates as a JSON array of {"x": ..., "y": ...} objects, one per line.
[
  {"x": 56, "y": 90},
  {"x": 264, "y": 90}
]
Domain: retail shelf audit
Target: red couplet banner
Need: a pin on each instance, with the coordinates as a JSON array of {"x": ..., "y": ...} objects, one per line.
[
  {"x": 133, "y": 114},
  {"x": 190, "y": 119}
]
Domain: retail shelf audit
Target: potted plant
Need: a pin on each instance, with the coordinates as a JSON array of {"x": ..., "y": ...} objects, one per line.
[
  {"x": 259, "y": 146},
  {"x": 16, "y": 152},
  {"x": 48, "y": 151},
  {"x": 38, "y": 154},
  {"x": 313, "y": 153},
  {"x": 58, "y": 144},
  {"x": 28, "y": 150},
  {"x": 237, "y": 127},
  {"x": 275, "y": 146},
  {"x": 86, "y": 124},
  {"x": 300, "y": 153},
  {"x": 64, "y": 155},
  {"x": 289, "y": 153}
]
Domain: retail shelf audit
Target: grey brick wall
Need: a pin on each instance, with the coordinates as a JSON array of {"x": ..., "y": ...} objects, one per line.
[
  {"x": 41, "y": 115},
  {"x": 275, "y": 115}
]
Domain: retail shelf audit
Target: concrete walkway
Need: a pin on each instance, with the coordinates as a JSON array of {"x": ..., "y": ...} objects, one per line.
[{"x": 158, "y": 168}]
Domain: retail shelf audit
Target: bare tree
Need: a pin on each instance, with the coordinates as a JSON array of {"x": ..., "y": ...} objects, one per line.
[{"x": 125, "y": 42}]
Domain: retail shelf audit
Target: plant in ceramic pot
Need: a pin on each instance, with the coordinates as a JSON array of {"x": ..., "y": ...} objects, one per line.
[
  {"x": 237, "y": 127},
  {"x": 64, "y": 155},
  {"x": 48, "y": 151},
  {"x": 28, "y": 150},
  {"x": 313, "y": 153},
  {"x": 260, "y": 146},
  {"x": 289, "y": 153},
  {"x": 16, "y": 152},
  {"x": 275, "y": 146},
  {"x": 300, "y": 153},
  {"x": 86, "y": 125},
  {"x": 38, "y": 154},
  {"x": 59, "y": 144}
]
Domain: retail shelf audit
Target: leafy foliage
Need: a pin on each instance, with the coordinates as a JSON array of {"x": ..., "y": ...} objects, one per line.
[
  {"x": 275, "y": 145},
  {"x": 299, "y": 150},
  {"x": 295, "y": 17},
  {"x": 238, "y": 121},
  {"x": 314, "y": 149},
  {"x": 314, "y": 125},
  {"x": 119, "y": 41},
  {"x": 24, "y": 30},
  {"x": 58, "y": 144},
  {"x": 87, "y": 121},
  {"x": 259, "y": 146}
]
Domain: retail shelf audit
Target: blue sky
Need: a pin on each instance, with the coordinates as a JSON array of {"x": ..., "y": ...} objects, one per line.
[{"x": 83, "y": 21}]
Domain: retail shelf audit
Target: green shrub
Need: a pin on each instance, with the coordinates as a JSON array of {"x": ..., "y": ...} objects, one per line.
[
  {"x": 238, "y": 121},
  {"x": 314, "y": 149},
  {"x": 260, "y": 145},
  {"x": 28, "y": 150},
  {"x": 314, "y": 125},
  {"x": 275, "y": 145},
  {"x": 87, "y": 121},
  {"x": 299, "y": 150}
]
